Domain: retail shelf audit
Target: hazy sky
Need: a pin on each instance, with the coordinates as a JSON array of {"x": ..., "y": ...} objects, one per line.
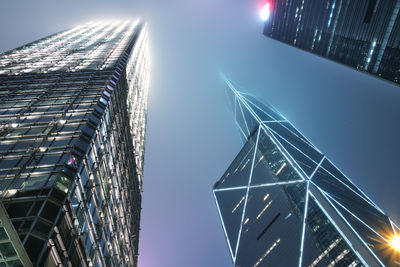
[{"x": 191, "y": 137}]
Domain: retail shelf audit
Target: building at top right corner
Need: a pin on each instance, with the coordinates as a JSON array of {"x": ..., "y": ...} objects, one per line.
[{"x": 362, "y": 34}]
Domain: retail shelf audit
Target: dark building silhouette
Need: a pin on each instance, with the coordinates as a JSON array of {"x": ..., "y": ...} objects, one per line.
[
  {"x": 72, "y": 131},
  {"x": 363, "y": 34}
]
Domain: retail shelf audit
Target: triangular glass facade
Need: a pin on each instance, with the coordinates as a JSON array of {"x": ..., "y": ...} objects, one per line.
[{"x": 283, "y": 203}]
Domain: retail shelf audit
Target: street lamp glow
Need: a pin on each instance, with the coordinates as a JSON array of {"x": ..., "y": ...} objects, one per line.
[
  {"x": 265, "y": 11},
  {"x": 395, "y": 243}
]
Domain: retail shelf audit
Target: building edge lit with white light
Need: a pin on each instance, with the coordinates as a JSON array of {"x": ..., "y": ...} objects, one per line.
[
  {"x": 284, "y": 203},
  {"x": 73, "y": 111}
]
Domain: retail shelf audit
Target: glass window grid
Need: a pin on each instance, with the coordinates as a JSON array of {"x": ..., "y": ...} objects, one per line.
[{"x": 45, "y": 113}]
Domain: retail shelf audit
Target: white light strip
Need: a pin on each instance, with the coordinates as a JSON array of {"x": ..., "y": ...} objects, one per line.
[
  {"x": 263, "y": 210},
  {"x": 277, "y": 183},
  {"x": 255, "y": 105},
  {"x": 295, "y": 147},
  {"x": 247, "y": 193},
  {"x": 339, "y": 257},
  {"x": 275, "y": 121},
  {"x": 366, "y": 197},
  {"x": 344, "y": 236},
  {"x": 351, "y": 189},
  {"x": 326, "y": 251},
  {"x": 260, "y": 185},
  {"x": 223, "y": 226},
  {"x": 355, "y": 216},
  {"x": 316, "y": 168},
  {"x": 238, "y": 204},
  {"x": 244, "y": 119},
  {"x": 240, "y": 97},
  {"x": 285, "y": 153},
  {"x": 267, "y": 252},
  {"x": 285, "y": 120},
  {"x": 280, "y": 169},
  {"x": 340, "y": 231},
  {"x": 294, "y": 163},
  {"x": 302, "y": 138},
  {"x": 394, "y": 226},
  {"x": 304, "y": 226}
]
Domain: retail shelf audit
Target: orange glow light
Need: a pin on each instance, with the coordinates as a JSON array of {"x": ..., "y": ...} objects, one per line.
[{"x": 395, "y": 243}]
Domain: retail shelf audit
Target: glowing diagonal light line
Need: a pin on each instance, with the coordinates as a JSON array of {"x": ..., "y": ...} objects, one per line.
[
  {"x": 277, "y": 183},
  {"x": 240, "y": 97},
  {"x": 302, "y": 138},
  {"x": 280, "y": 169},
  {"x": 394, "y": 231},
  {"x": 304, "y": 225},
  {"x": 265, "y": 127},
  {"x": 295, "y": 147},
  {"x": 244, "y": 119},
  {"x": 393, "y": 227},
  {"x": 234, "y": 109},
  {"x": 284, "y": 152},
  {"x": 238, "y": 204},
  {"x": 263, "y": 124},
  {"x": 263, "y": 111},
  {"x": 351, "y": 227},
  {"x": 230, "y": 188},
  {"x": 366, "y": 197},
  {"x": 247, "y": 193},
  {"x": 263, "y": 210},
  {"x": 258, "y": 186},
  {"x": 340, "y": 231},
  {"x": 294, "y": 162},
  {"x": 339, "y": 258},
  {"x": 240, "y": 128},
  {"x": 351, "y": 189},
  {"x": 229, "y": 98},
  {"x": 267, "y": 252},
  {"x": 355, "y": 216},
  {"x": 316, "y": 168},
  {"x": 223, "y": 226},
  {"x": 334, "y": 176},
  {"x": 325, "y": 252},
  {"x": 275, "y": 121}
]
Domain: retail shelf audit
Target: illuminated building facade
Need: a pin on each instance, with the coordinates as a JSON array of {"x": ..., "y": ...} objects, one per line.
[
  {"x": 283, "y": 203},
  {"x": 72, "y": 134},
  {"x": 363, "y": 34}
]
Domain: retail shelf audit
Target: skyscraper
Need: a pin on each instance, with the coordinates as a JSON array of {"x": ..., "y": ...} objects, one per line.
[
  {"x": 284, "y": 203},
  {"x": 363, "y": 34},
  {"x": 73, "y": 115}
]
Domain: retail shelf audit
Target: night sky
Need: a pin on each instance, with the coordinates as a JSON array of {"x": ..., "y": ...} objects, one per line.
[{"x": 191, "y": 136}]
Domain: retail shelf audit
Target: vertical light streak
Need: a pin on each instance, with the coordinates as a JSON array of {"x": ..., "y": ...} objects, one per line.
[
  {"x": 304, "y": 225},
  {"x": 247, "y": 192}
]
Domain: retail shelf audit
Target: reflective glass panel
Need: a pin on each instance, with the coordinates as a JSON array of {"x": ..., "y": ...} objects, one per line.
[
  {"x": 270, "y": 165},
  {"x": 238, "y": 173},
  {"x": 272, "y": 226},
  {"x": 323, "y": 245},
  {"x": 230, "y": 204}
]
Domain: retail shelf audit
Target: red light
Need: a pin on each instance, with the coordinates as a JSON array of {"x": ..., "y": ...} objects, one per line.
[{"x": 265, "y": 10}]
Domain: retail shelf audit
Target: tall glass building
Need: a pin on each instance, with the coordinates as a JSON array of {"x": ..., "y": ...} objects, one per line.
[
  {"x": 363, "y": 34},
  {"x": 72, "y": 134},
  {"x": 282, "y": 202}
]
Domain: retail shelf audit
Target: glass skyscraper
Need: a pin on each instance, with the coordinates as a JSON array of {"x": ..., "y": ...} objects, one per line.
[
  {"x": 72, "y": 134},
  {"x": 363, "y": 34},
  {"x": 282, "y": 202}
]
